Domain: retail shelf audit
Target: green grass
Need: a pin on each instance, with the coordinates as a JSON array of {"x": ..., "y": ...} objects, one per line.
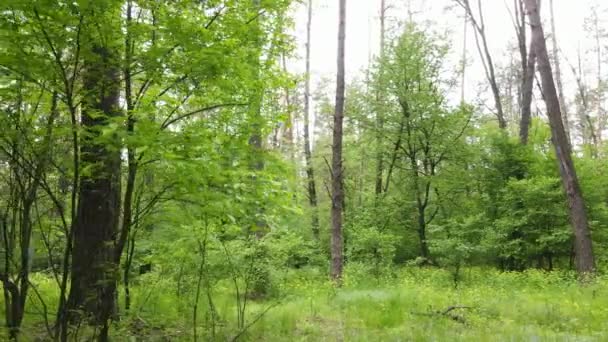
[
  {"x": 530, "y": 306},
  {"x": 402, "y": 306}
]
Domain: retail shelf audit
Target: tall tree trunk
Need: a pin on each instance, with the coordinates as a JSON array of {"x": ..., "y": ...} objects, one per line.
[
  {"x": 526, "y": 92},
  {"x": 93, "y": 269},
  {"x": 528, "y": 72},
  {"x": 337, "y": 200},
  {"x": 464, "y": 59},
  {"x": 288, "y": 140},
  {"x": 310, "y": 174},
  {"x": 528, "y": 62},
  {"x": 558, "y": 73},
  {"x": 379, "y": 118},
  {"x": 578, "y": 216},
  {"x": 127, "y": 221},
  {"x": 422, "y": 200},
  {"x": 256, "y": 99}
]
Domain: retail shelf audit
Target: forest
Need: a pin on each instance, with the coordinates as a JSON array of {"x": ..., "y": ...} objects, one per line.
[{"x": 303, "y": 170}]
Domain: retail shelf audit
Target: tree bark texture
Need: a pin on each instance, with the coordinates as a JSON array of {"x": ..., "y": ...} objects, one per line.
[
  {"x": 578, "y": 216},
  {"x": 526, "y": 92},
  {"x": 337, "y": 171},
  {"x": 379, "y": 118},
  {"x": 93, "y": 273},
  {"x": 310, "y": 174}
]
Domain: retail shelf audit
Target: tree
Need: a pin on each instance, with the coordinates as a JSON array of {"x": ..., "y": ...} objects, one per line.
[
  {"x": 424, "y": 132},
  {"x": 379, "y": 119},
  {"x": 27, "y": 161},
  {"x": 484, "y": 53},
  {"x": 310, "y": 174},
  {"x": 526, "y": 94},
  {"x": 92, "y": 288},
  {"x": 464, "y": 57},
  {"x": 79, "y": 58},
  {"x": 582, "y": 236},
  {"x": 558, "y": 72},
  {"x": 528, "y": 65},
  {"x": 337, "y": 184}
]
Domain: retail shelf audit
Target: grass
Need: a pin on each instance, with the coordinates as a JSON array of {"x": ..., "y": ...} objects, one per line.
[
  {"x": 401, "y": 306},
  {"x": 529, "y": 306}
]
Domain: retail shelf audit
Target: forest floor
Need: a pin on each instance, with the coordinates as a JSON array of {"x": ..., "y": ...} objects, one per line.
[
  {"x": 410, "y": 304},
  {"x": 425, "y": 306}
]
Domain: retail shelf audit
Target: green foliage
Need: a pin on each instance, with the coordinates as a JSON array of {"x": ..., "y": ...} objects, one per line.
[
  {"x": 502, "y": 306},
  {"x": 533, "y": 222},
  {"x": 218, "y": 211},
  {"x": 457, "y": 243},
  {"x": 288, "y": 249},
  {"x": 373, "y": 246}
]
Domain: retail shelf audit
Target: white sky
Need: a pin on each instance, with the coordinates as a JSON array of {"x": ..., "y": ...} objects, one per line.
[{"x": 362, "y": 34}]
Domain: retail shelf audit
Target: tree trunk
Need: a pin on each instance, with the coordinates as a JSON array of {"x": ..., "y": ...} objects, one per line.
[
  {"x": 257, "y": 122},
  {"x": 125, "y": 237},
  {"x": 558, "y": 74},
  {"x": 464, "y": 60},
  {"x": 421, "y": 205},
  {"x": 424, "y": 246},
  {"x": 528, "y": 62},
  {"x": 578, "y": 215},
  {"x": 337, "y": 171},
  {"x": 310, "y": 174},
  {"x": 93, "y": 268},
  {"x": 379, "y": 119},
  {"x": 526, "y": 92}
]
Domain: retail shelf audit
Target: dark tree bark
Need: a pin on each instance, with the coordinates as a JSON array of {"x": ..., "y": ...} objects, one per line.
[
  {"x": 93, "y": 273},
  {"x": 310, "y": 174},
  {"x": 578, "y": 216},
  {"x": 337, "y": 199}
]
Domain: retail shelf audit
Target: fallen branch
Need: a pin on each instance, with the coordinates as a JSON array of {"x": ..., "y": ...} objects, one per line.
[
  {"x": 455, "y": 307},
  {"x": 447, "y": 313}
]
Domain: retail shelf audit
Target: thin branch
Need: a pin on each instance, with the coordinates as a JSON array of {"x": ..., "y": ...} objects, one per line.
[
  {"x": 168, "y": 122},
  {"x": 215, "y": 16}
]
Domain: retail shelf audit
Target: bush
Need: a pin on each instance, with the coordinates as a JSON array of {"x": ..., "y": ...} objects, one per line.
[{"x": 372, "y": 247}]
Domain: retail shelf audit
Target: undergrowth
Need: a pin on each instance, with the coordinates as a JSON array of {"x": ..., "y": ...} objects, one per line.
[{"x": 408, "y": 304}]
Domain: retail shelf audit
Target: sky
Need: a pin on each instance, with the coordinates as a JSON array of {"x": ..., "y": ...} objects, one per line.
[{"x": 362, "y": 33}]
